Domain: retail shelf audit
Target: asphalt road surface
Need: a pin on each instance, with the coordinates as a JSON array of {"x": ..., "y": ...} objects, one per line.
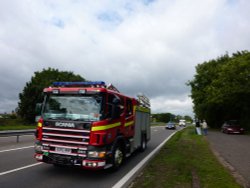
[
  {"x": 18, "y": 168},
  {"x": 234, "y": 149}
]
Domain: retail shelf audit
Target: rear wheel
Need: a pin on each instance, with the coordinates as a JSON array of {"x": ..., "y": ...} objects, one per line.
[{"x": 143, "y": 143}]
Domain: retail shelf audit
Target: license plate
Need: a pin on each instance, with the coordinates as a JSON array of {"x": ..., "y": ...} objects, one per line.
[{"x": 63, "y": 150}]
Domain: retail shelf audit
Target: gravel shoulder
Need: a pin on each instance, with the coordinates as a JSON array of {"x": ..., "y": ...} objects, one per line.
[{"x": 233, "y": 151}]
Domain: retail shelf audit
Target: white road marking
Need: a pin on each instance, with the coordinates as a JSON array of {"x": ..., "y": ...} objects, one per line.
[
  {"x": 21, "y": 168},
  {"x": 122, "y": 183},
  {"x": 16, "y": 149}
]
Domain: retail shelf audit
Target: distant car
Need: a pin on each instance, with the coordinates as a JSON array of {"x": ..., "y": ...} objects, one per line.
[
  {"x": 182, "y": 122},
  {"x": 232, "y": 127},
  {"x": 170, "y": 125}
]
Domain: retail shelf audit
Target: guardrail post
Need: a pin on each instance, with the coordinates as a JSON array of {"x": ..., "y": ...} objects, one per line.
[{"x": 16, "y": 133}]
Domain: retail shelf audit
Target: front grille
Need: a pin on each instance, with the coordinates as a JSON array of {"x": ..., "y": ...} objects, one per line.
[
  {"x": 65, "y": 141},
  {"x": 62, "y": 135}
]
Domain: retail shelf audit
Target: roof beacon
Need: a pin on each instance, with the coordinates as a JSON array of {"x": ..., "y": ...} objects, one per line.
[{"x": 79, "y": 84}]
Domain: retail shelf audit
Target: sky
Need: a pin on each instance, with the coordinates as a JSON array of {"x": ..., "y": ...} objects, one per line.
[{"x": 140, "y": 46}]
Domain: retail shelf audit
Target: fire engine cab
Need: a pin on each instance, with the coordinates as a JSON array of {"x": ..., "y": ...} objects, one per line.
[{"x": 90, "y": 125}]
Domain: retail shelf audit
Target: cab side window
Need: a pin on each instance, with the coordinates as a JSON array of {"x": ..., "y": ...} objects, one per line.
[
  {"x": 115, "y": 103},
  {"x": 109, "y": 105},
  {"x": 129, "y": 107}
]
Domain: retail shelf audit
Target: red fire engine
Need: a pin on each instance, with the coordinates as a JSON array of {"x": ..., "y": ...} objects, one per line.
[{"x": 90, "y": 125}]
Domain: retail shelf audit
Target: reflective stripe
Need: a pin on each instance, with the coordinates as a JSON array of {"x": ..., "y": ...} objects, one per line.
[
  {"x": 129, "y": 123},
  {"x": 105, "y": 127}
]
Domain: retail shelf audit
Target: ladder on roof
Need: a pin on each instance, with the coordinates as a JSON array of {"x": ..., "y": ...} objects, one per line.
[
  {"x": 111, "y": 87},
  {"x": 143, "y": 100}
]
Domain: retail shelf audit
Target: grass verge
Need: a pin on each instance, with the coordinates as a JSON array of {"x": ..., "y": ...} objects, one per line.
[
  {"x": 185, "y": 161},
  {"x": 14, "y": 124},
  {"x": 158, "y": 124}
]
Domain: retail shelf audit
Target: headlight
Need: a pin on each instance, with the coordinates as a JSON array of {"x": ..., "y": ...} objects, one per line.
[{"x": 96, "y": 154}]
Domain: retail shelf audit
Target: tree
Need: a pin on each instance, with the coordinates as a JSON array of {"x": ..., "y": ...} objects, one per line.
[
  {"x": 220, "y": 89},
  {"x": 188, "y": 118},
  {"x": 232, "y": 88},
  {"x": 166, "y": 117},
  {"x": 163, "y": 117},
  {"x": 32, "y": 92}
]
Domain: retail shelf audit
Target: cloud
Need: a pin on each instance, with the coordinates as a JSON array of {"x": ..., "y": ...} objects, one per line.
[
  {"x": 172, "y": 105},
  {"x": 140, "y": 46}
]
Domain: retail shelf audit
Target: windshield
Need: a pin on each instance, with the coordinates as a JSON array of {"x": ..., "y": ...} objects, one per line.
[
  {"x": 233, "y": 123},
  {"x": 73, "y": 107}
]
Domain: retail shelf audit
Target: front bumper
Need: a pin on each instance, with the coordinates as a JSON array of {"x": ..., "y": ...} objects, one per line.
[
  {"x": 73, "y": 161},
  {"x": 235, "y": 132},
  {"x": 170, "y": 127}
]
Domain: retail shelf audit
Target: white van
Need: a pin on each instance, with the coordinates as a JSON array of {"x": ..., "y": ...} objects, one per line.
[{"x": 182, "y": 122}]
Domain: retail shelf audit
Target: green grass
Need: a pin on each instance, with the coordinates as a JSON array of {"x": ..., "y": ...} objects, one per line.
[
  {"x": 186, "y": 155},
  {"x": 158, "y": 124},
  {"x": 14, "y": 124}
]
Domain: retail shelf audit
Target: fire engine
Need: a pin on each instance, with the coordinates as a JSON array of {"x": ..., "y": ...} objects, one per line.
[{"x": 90, "y": 125}]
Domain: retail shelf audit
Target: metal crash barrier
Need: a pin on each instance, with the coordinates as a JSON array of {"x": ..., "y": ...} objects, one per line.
[{"x": 17, "y": 133}]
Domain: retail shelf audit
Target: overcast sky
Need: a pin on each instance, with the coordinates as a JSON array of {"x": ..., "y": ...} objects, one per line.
[{"x": 146, "y": 46}]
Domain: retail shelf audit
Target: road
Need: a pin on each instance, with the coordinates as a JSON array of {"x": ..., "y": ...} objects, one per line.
[
  {"x": 234, "y": 149},
  {"x": 19, "y": 169}
]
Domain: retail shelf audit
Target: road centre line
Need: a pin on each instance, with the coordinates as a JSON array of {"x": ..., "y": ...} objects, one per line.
[
  {"x": 16, "y": 149},
  {"x": 21, "y": 168}
]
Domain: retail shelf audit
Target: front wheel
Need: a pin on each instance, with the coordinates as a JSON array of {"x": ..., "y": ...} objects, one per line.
[{"x": 117, "y": 156}]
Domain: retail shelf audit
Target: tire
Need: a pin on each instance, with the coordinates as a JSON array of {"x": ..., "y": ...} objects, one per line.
[
  {"x": 117, "y": 156},
  {"x": 143, "y": 143}
]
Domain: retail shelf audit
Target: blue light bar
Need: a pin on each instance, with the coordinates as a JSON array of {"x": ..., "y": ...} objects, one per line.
[{"x": 68, "y": 84}]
